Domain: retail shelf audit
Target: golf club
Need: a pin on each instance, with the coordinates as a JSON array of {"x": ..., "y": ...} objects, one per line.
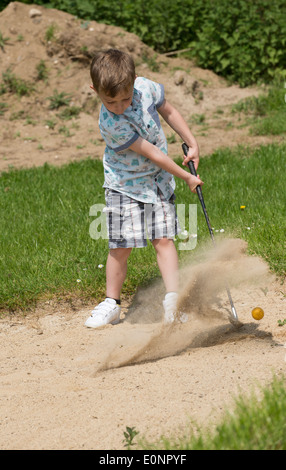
[{"x": 233, "y": 317}]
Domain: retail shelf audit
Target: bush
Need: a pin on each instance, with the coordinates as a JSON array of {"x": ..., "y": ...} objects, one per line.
[{"x": 243, "y": 41}]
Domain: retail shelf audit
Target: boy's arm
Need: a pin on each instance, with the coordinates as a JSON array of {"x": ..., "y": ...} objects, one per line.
[
  {"x": 179, "y": 125},
  {"x": 148, "y": 150}
]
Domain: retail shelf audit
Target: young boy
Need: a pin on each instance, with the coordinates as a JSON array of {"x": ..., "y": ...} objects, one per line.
[{"x": 138, "y": 175}]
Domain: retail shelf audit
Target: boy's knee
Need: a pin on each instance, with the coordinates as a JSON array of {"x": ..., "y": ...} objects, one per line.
[
  {"x": 120, "y": 253},
  {"x": 162, "y": 243}
]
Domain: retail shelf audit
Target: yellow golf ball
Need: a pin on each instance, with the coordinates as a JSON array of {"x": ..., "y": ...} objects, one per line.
[{"x": 257, "y": 313}]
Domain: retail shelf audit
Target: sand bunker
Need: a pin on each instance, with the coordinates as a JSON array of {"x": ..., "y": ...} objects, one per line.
[{"x": 203, "y": 297}]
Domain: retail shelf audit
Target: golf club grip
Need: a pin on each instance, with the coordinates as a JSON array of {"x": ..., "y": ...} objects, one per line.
[{"x": 192, "y": 170}]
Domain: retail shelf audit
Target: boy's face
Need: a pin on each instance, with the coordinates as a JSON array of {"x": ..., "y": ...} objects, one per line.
[{"x": 119, "y": 103}]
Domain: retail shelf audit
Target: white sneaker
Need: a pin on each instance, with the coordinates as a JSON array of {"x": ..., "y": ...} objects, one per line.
[
  {"x": 104, "y": 313},
  {"x": 170, "y": 307}
]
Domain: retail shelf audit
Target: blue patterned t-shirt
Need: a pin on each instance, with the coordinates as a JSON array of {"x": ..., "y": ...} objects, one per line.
[{"x": 125, "y": 170}]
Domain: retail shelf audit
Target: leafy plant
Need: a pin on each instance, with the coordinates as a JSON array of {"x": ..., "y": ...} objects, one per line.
[
  {"x": 171, "y": 139},
  {"x": 129, "y": 435},
  {"x": 3, "y": 41},
  {"x": 59, "y": 99},
  {"x": 251, "y": 43},
  {"x": 3, "y": 108},
  {"x": 42, "y": 71},
  {"x": 13, "y": 84},
  {"x": 198, "y": 119},
  {"x": 21, "y": 114},
  {"x": 70, "y": 112},
  {"x": 50, "y": 32},
  {"x": 65, "y": 131},
  {"x": 51, "y": 123}
]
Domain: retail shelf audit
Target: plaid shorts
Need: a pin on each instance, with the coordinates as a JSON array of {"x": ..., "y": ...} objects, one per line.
[{"x": 130, "y": 222}]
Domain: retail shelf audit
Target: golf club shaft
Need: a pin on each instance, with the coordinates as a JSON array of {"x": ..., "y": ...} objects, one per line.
[
  {"x": 199, "y": 192},
  {"x": 200, "y": 195}
]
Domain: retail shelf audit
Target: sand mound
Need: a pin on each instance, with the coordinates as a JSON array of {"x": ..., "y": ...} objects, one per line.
[{"x": 31, "y": 133}]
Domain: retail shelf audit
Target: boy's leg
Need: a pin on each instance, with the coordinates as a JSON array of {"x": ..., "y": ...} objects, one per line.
[
  {"x": 116, "y": 270},
  {"x": 108, "y": 311},
  {"x": 167, "y": 259}
]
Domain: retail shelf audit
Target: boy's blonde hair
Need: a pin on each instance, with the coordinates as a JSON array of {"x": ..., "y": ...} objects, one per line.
[{"x": 112, "y": 71}]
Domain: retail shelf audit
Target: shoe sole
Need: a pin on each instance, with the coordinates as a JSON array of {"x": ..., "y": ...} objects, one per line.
[
  {"x": 113, "y": 322},
  {"x": 176, "y": 320}
]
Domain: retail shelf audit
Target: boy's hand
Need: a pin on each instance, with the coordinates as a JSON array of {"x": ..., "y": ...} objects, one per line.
[
  {"x": 193, "y": 154},
  {"x": 193, "y": 182}
]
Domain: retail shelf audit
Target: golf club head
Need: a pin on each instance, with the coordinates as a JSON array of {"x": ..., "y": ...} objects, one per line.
[{"x": 233, "y": 318}]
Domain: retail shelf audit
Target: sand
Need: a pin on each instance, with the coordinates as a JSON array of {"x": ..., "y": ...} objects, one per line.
[{"x": 64, "y": 386}]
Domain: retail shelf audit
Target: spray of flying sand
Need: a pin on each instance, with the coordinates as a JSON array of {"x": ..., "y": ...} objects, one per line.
[{"x": 142, "y": 337}]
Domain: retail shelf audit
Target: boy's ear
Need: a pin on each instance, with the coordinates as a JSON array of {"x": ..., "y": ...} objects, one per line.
[{"x": 92, "y": 87}]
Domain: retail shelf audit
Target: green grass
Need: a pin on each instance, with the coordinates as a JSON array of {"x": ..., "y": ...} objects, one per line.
[
  {"x": 265, "y": 113},
  {"x": 250, "y": 178},
  {"x": 45, "y": 246},
  {"x": 255, "y": 423}
]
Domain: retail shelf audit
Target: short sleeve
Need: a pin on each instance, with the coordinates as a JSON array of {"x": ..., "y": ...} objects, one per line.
[
  {"x": 158, "y": 93},
  {"x": 118, "y": 133}
]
